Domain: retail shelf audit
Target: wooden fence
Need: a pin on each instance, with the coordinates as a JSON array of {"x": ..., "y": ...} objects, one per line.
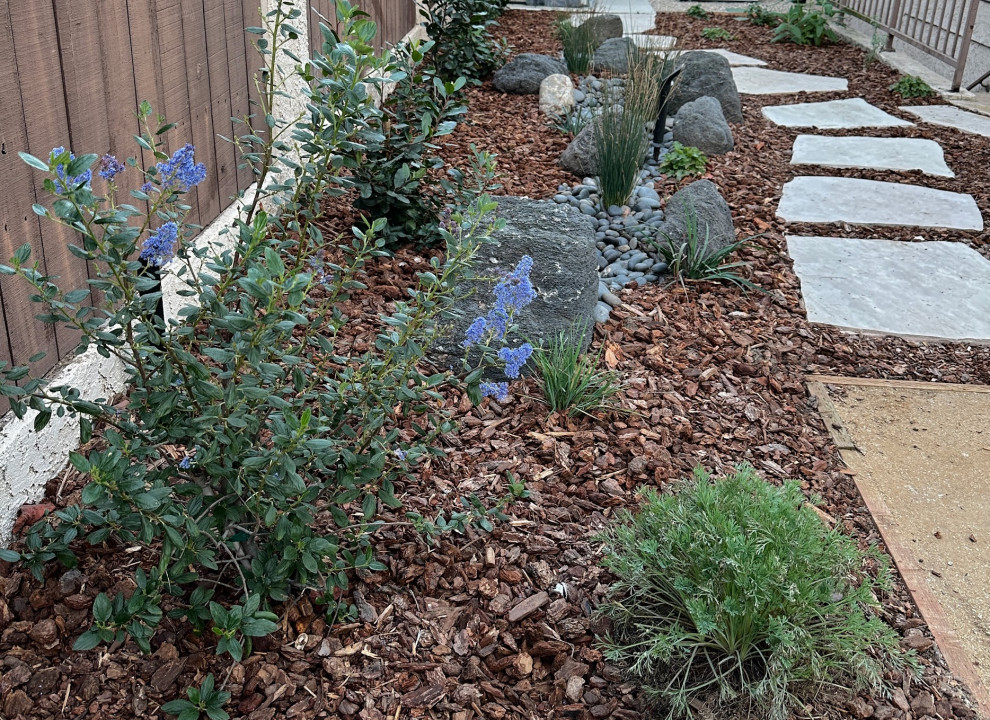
[
  {"x": 73, "y": 74},
  {"x": 395, "y": 18}
]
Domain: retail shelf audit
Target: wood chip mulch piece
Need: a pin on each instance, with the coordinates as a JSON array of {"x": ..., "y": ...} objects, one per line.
[{"x": 502, "y": 625}]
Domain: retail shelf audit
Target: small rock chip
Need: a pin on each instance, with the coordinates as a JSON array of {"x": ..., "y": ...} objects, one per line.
[
  {"x": 860, "y": 708},
  {"x": 347, "y": 708},
  {"x": 923, "y": 703},
  {"x": 899, "y": 699},
  {"x": 528, "y": 606},
  {"x": 574, "y": 689},
  {"x": 915, "y": 640}
]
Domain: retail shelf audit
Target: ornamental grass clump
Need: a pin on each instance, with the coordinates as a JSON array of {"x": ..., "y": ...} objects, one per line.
[
  {"x": 733, "y": 596},
  {"x": 578, "y": 42},
  {"x": 255, "y": 450},
  {"x": 572, "y": 380},
  {"x": 621, "y": 138}
]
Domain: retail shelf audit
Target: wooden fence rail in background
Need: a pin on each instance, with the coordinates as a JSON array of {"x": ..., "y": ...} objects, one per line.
[
  {"x": 74, "y": 72},
  {"x": 394, "y": 18}
]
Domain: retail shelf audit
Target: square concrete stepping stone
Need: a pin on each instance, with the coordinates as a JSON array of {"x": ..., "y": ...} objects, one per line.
[
  {"x": 833, "y": 115},
  {"x": 926, "y": 289},
  {"x": 656, "y": 43},
  {"x": 871, "y": 152},
  {"x": 734, "y": 58},
  {"x": 953, "y": 117},
  {"x": 760, "y": 81},
  {"x": 870, "y": 202}
]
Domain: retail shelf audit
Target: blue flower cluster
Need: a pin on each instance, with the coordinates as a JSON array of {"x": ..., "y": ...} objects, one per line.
[
  {"x": 110, "y": 167},
  {"x": 180, "y": 172},
  {"x": 186, "y": 462},
  {"x": 63, "y": 184},
  {"x": 512, "y": 293},
  {"x": 159, "y": 248}
]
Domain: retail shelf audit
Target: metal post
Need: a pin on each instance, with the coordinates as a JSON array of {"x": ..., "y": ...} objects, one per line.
[
  {"x": 967, "y": 40},
  {"x": 661, "y": 127}
]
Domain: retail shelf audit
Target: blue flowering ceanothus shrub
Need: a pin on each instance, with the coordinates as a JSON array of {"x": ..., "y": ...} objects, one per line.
[
  {"x": 513, "y": 292},
  {"x": 254, "y": 451}
]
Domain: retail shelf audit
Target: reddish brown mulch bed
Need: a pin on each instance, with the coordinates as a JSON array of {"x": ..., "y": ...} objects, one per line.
[{"x": 478, "y": 626}]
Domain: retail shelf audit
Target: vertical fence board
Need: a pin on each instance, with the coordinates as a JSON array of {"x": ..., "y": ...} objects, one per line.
[
  {"x": 43, "y": 99},
  {"x": 239, "y": 78},
  {"x": 18, "y": 224},
  {"x": 143, "y": 28},
  {"x": 219, "y": 110}
]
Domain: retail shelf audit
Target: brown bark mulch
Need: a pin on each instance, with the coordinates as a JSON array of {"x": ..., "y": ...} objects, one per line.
[{"x": 502, "y": 625}]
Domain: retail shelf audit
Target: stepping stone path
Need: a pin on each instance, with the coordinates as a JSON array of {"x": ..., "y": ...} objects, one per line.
[
  {"x": 923, "y": 289},
  {"x": 870, "y": 202},
  {"x": 871, "y": 152},
  {"x": 932, "y": 290},
  {"x": 833, "y": 115},
  {"x": 760, "y": 81},
  {"x": 953, "y": 117}
]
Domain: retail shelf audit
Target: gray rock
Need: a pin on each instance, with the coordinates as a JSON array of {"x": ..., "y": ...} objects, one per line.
[
  {"x": 701, "y": 124},
  {"x": 561, "y": 242},
  {"x": 711, "y": 217},
  {"x": 601, "y": 312},
  {"x": 604, "y": 27},
  {"x": 581, "y": 156},
  {"x": 613, "y": 56},
  {"x": 705, "y": 73},
  {"x": 523, "y": 74}
]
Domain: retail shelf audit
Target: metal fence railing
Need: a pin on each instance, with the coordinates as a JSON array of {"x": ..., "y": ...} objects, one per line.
[{"x": 941, "y": 28}]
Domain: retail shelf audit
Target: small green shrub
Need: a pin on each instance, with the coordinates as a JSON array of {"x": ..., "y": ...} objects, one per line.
[
  {"x": 624, "y": 115},
  {"x": 571, "y": 380},
  {"x": 734, "y": 594},
  {"x": 697, "y": 12},
  {"x": 689, "y": 258},
  {"x": 462, "y": 34},
  {"x": 202, "y": 700},
  {"x": 912, "y": 86},
  {"x": 682, "y": 161},
  {"x": 802, "y": 26},
  {"x": 717, "y": 33},
  {"x": 759, "y": 15},
  {"x": 579, "y": 44}
]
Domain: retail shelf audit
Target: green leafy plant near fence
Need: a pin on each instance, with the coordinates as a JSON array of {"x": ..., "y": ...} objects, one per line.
[
  {"x": 253, "y": 452},
  {"x": 912, "y": 86},
  {"x": 462, "y": 34},
  {"x": 732, "y": 593},
  {"x": 717, "y": 33},
  {"x": 759, "y": 15},
  {"x": 806, "y": 24}
]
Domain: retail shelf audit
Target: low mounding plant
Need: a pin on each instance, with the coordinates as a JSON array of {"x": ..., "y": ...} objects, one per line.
[
  {"x": 912, "y": 86},
  {"x": 692, "y": 258},
  {"x": 572, "y": 381},
  {"x": 579, "y": 44},
  {"x": 759, "y": 15},
  {"x": 697, "y": 12},
  {"x": 626, "y": 112},
  {"x": 254, "y": 449},
  {"x": 717, "y": 33},
  {"x": 571, "y": 121},
  {"x": 682, "y": 161},
  {"x": 733, "y": 594},
  {"x": 803, "y": 26},
  {"x": 462, "y": 34}
]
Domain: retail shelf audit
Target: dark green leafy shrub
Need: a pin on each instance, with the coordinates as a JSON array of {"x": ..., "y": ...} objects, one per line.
[
  {"x": 697, "y": 12},
  {"x": 579, "y": 44},
  {"x": 717, "y": 33},
  {"x": 734, "y": 594},
  {"x": 912, "y": 86},
  {"x": 571, "y": 380},
  {"x": 759, "y": 15},
  {"x": 682, "y": 161},
  {"x": 202, "y": 700},
  {"x": 396, "y": 175},
  {"x": 462, "y": 34},
  {"x": 803, "y": 26}
]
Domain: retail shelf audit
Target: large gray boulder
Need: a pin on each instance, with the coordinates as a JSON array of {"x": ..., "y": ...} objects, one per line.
[
  {"x": 706, "y": 74},
  {"x": 523, "y": 74},
  {"x": 581, "y": 155},
  {"x": 603, "y": 27},
  {"x": 561, "y": 242},
  {"x": 699, "y": 204},
  {"x": 701, "y": 124},
  {"x": 612, "y": 56}
]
